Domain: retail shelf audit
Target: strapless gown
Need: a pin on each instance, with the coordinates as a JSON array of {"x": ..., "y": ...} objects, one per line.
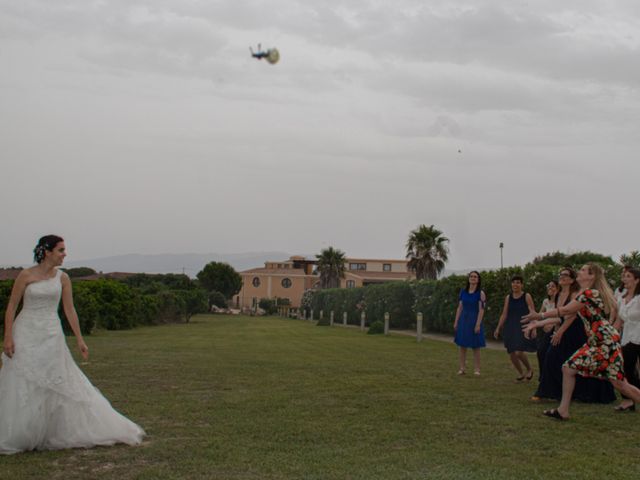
[{"x": 46, "y": 402}]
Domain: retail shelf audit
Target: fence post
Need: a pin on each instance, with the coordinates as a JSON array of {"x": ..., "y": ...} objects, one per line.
[
  {"x": 419, "y": 327},
  {"x": 331, "y": 318},
  {"x": 386, "y": 323},
  {"x": 344, "y": 319},
  {"x": 321, "y": 314},
  {"x": 304, "y": 314},
  {"x": 311, "y": 316},
  {"x": 363, "y": 317}
]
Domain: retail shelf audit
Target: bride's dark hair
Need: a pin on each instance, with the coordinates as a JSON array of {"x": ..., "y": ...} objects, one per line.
[{"x": 45, "y": 244}]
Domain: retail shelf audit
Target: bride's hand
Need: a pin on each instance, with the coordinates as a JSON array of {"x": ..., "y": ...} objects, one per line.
[
  {"x": 84, "y": 350},
  {"x": 9, "y": 347}
]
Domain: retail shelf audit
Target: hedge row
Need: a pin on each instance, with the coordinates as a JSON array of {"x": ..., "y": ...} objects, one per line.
[
  {"x": 115, "y": 305},
  {"x": 436, "y": 299}
]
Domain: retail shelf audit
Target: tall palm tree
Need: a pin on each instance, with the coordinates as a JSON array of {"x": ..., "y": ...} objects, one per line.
[
  {"x": 331, "y": 267},
  {"x": 427, "y": 252}
]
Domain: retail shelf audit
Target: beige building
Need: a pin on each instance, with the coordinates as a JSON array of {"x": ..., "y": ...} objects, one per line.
[{"x": 289, "y": 279}]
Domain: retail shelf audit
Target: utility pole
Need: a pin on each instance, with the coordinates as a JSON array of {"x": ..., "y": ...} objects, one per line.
[{"x": 501, "y": 262}]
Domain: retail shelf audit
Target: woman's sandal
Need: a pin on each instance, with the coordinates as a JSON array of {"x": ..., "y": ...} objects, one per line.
[
  {"x": 529, "y": 376},
  {"x": 520, "y": 379},
  {"x": 461, "y": 371},
  {"x": 629, "y": 408},
  {"x": 554, "y": 413}
]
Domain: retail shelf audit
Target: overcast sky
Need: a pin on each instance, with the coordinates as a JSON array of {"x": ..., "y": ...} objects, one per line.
[{"x": 132, "y": 126}]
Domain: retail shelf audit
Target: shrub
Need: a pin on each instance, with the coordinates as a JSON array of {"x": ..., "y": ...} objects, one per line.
[
  {"x": 376, "y": 328},
  {"x": 268, "y": 305},
  {"x": 218, "y": 299}
]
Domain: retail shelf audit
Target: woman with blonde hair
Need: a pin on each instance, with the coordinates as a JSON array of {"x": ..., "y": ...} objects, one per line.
[{"x": 601, "y": 356}]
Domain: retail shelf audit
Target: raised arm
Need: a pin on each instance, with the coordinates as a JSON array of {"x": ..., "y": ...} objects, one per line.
[
  {"x": 72, "y": 316},
  {"x": 17, "y": 292},
  {"x": 571, "y": 308}
]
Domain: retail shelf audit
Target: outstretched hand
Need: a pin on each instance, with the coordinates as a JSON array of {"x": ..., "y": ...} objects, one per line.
[
  {"x": 530, "y": 317},
  {"x": 9, "y": 347},
  {"x": 556, "y": 338}
]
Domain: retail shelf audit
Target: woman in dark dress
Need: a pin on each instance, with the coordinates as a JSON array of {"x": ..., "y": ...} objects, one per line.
[
  {"x": 547, "y": 331},
  {"x": 601, "y": 356},
  {"x": 516, "y": 305},
  {"x": 468, "y": 323},
  {"x": 568, "y": 338}
]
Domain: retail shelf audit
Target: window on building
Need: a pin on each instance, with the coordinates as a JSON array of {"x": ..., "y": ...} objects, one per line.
[
  {"x": 255, "y": 282},
  {"x": 286, "y": 282},
  {"x": 357, "y": 266},
  {"x": 351, "y": 284},
  {"x": 386, "y": 267}
]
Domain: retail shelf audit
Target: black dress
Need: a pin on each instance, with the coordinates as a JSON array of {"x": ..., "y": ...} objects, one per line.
[
  {"x": 588, "y": 390},
  {"x": 514, "y": 339}
]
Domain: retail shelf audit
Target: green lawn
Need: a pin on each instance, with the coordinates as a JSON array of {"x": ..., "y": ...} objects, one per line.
[{"x": 270, "y": 398}]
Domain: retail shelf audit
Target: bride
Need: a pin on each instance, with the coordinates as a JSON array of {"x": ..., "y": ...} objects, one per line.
[{"x": 46, "y": 402}]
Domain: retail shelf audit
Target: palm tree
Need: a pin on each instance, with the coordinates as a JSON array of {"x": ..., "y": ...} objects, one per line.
[
  {"x": 331, "y": 267},
  {"x": 427, "y": 252},
  {"x": 632, "y": 258}
]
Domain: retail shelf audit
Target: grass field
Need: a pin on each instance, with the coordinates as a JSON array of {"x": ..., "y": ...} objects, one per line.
[{"x": 270, "y": 398}]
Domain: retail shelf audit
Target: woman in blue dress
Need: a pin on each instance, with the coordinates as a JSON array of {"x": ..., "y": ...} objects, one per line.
[{"x": 468, "y": 323}]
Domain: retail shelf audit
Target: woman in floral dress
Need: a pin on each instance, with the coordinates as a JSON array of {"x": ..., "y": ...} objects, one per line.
[{"x": 601, "y": 356}]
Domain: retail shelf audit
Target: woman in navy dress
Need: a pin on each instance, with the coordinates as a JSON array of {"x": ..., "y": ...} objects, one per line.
[
  {"x": 567, "y": 339},
  {"x": 468, "y": 323},
  {"x": 516, "y": 305}
]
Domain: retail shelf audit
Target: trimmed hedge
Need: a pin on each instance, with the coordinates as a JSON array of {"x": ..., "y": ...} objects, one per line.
[
  {"x": 436, "y": 299},
  {"x": 116, "y": 305}
]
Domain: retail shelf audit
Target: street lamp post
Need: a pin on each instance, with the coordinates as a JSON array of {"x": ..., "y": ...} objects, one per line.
[{"x": 501, "y": 262}]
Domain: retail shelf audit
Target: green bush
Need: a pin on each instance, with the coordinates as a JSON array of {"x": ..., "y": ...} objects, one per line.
[
  {"x": 268, "y": 305},
  {"x": 376, "y": 328},
  {"x": 218, "y": 299}
]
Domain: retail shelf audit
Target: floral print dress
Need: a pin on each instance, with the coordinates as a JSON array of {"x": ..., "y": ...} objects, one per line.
[{"x": 601, "y": 356}]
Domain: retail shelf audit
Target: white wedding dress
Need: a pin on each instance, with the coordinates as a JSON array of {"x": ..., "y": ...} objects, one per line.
[{"x": 46, "y": 402}]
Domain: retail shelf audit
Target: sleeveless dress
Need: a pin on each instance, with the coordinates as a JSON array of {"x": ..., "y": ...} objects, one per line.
[
  {"x": 465, "y": 334},
  {"x": 46, "y": 402},
  {"x": 601, "y": 356},
  {"x": 587, "y": 390},
  {"x": 514, "y": 339}
]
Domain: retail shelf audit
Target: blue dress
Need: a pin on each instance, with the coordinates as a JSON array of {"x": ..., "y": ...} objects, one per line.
[{"x": 465, "y": 335}]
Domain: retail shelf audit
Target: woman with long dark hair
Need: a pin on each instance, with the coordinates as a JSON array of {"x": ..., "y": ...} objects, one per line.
[
  {"x": 46, "y": 402},
  {"x": 629, "y": 314},
  {"x": 601, "y": 356},
  {"x": 468, "y": 323}
]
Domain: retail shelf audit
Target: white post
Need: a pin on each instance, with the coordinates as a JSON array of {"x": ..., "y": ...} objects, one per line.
[
  {"x": 386, "y": 323},
  {"x": 311, "y": 316},
  {"x": 321, "y": 314},
  {"x": 304, "y": 314},
  {"x": 363, "y": 317},
  {"x": 331, "y": 318},
  {"x": 419, "y": 327},
  {"x": 344, "y": 319}
]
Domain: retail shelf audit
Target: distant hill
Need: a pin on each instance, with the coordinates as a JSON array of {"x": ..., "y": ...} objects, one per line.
[{"x": 190, "y": 263}]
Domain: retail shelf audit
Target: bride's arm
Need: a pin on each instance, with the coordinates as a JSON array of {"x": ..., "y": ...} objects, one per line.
[
  {"x": 72, "y": 316},
  {"x": 9, "y": 317}
]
